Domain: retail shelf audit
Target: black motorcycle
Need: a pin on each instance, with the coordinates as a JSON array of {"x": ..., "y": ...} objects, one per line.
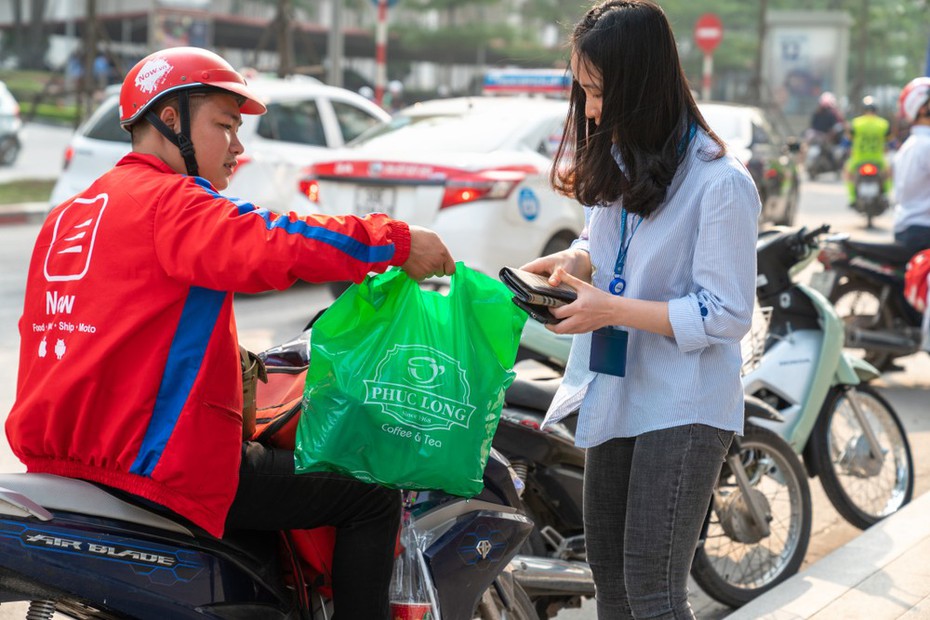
[
  {"x": 757, "y": 529},
  {"x": 825, "y": 152},
  {"x": 865, "y": 283}
]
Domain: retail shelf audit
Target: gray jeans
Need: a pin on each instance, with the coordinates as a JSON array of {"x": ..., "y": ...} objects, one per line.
[{"x": 645, "y": 500}]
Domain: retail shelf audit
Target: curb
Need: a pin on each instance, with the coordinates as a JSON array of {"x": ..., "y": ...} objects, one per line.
[
  {"x": 882, "y": 573},
  {"x": 22, "y": 213}
]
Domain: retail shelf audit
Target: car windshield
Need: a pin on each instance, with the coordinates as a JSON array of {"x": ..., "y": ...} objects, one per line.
[
  {"x": 473, "y": 133},
  {"x": 728, "y": 123}
]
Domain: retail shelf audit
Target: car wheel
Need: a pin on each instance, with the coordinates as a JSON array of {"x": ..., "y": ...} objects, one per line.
[
  {"x": 9, "y": 150},
  {"x": 560, "y": 241}
]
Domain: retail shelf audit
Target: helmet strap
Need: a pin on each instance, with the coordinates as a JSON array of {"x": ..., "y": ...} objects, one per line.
[{"x": 181, "y": 139}]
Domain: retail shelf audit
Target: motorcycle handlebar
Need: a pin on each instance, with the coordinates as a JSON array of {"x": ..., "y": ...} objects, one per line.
[
  {"x": 808, "y": 237},
  {"x": 803, "y": 239}
]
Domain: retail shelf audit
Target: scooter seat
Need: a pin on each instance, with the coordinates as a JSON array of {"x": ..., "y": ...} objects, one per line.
[
  {"x": 81, "y": 497},
  {"x": 885, "y": 252},
  {"x": 533, "y": 394}
]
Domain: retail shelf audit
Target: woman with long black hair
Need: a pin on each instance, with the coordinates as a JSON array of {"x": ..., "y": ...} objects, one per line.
[{"x": 665, "y": 273}]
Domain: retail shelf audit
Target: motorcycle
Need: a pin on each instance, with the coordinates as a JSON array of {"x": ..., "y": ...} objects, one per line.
[
  {"x": 70, "y": 546},
  {"x": 761, "y": 515},
  {"x": 871, "y": 200},
  {"x": 865, "y": 282},
  {"x": 824, "y": 153},
  {"x": 849, "y": 435},
  {"x": 757, "y": 527}
]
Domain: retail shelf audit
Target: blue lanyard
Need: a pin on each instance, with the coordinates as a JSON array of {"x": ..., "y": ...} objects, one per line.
[{"x": 618, "y": 284}]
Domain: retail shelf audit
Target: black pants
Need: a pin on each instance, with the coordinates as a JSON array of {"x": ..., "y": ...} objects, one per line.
[
  {"x": 915, "y": 238},
  {"x": 272, "y": 497}
]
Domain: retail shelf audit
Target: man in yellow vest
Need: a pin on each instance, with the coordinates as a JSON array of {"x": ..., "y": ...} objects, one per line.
[{"x": 869, "y": 133}]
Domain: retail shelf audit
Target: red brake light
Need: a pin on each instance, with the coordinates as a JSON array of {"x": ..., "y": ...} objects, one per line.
[
  {"x": 69, "y": 155},
  {"x": 869, "y": 170},
  {"x": 310, "y": 188},
  {"x": 487, "y": 184}
]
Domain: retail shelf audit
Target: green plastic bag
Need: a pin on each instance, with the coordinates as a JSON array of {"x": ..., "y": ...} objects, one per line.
[{"x": 405, "y": 386}]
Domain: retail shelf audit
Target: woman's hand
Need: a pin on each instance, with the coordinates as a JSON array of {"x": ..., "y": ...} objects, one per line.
[
  {"x": 592, "y": 309},
  {"x": 573, "y": 261}
]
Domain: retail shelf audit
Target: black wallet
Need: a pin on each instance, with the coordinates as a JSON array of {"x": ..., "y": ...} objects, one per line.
[{"x": 534, "y": 294}]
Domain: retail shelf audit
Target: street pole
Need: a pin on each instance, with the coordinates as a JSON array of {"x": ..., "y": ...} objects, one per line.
[
  {"x": 757, "y": 63},
  {"x": 381, "y": 52},
  {"x": 708, "y": 72},
  {"x": 336, "y": 45}
]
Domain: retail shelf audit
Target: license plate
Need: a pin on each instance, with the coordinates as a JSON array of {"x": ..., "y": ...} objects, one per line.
[
  {"x": 823, "y": 281},
  {"x": 374, "y": 199},
  {"x": 868, "y": 190}
]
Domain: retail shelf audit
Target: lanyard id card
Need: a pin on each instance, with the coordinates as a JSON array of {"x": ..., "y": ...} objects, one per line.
[{"x": 608, "y": 344}]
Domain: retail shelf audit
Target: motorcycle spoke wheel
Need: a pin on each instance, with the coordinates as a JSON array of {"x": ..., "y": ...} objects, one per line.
[
  {"x": 862, "y": 487},
  {"x": 733, "y": 571},
  {"x": 859, "y": 305}
]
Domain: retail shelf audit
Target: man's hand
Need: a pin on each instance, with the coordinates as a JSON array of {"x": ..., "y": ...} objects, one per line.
[{"x": 429, "y": 256}]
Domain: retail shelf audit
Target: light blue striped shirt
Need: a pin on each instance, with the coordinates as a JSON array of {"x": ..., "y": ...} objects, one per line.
[{"x": 698, "y": 253}]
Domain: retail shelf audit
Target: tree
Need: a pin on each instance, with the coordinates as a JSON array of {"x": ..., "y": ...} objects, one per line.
[{"x": 35, "y": 44}]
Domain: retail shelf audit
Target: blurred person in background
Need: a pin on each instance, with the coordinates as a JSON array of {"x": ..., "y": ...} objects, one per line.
[
  {"x": 827, "y": 126},
  {"x": 911, "y": 169},
  {"x": 869, "y": 136}
]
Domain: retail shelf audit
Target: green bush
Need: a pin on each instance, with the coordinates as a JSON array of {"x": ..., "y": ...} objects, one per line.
[
  {"x": 26, "y": 86},
  {"x": 26, "y": 190},
  {"x": 65, "y": 114}
]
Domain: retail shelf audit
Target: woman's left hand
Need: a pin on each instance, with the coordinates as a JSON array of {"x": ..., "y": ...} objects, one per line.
[{"x": 592, "y": 309}]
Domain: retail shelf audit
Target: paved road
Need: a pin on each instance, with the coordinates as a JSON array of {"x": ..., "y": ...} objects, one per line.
[{"x": 42, "y": 154}]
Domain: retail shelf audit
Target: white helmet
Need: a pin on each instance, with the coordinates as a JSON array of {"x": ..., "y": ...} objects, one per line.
[
  {"x": 827, "y": 100},
  {"x": 913, "y": 97}
]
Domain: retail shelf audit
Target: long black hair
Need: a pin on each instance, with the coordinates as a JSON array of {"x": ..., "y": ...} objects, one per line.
[{"x": 647, "y": 108}]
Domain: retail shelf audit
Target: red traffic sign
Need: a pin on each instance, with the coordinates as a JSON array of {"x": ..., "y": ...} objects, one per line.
[{"x": 708, "y": 32}]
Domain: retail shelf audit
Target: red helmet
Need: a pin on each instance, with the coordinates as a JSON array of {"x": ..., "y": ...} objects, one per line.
[
  {"x": 913, "y": 97},
  {"x": 179, "y": 68}
]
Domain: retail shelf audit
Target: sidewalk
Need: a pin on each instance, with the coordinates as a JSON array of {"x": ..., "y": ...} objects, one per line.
[
  {"x": 884, "y": 573},
  {"x": 23, "y": 212}
]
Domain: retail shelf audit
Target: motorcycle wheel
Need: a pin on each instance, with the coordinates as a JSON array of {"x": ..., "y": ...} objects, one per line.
[
  {"x": 862, "y": 489},
  {"x": 492, "y": 607},
  {"x": 735, "y": 564},
  {"x": 859, "y": 304}
]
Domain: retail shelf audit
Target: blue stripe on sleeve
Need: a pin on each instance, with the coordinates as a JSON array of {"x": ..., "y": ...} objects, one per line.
[
  {"x": 198, "y": 319},
  {"x": 344, "y": 243}
]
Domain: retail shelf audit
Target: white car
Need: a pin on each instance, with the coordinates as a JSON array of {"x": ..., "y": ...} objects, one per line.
[
  {"x": 305, "y": 119},
  {"x": 10, "y": 125},
  {"x": 474, "y": 170}
]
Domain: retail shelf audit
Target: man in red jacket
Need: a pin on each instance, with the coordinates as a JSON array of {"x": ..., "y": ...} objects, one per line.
[{"x": 129, "y": 371}]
